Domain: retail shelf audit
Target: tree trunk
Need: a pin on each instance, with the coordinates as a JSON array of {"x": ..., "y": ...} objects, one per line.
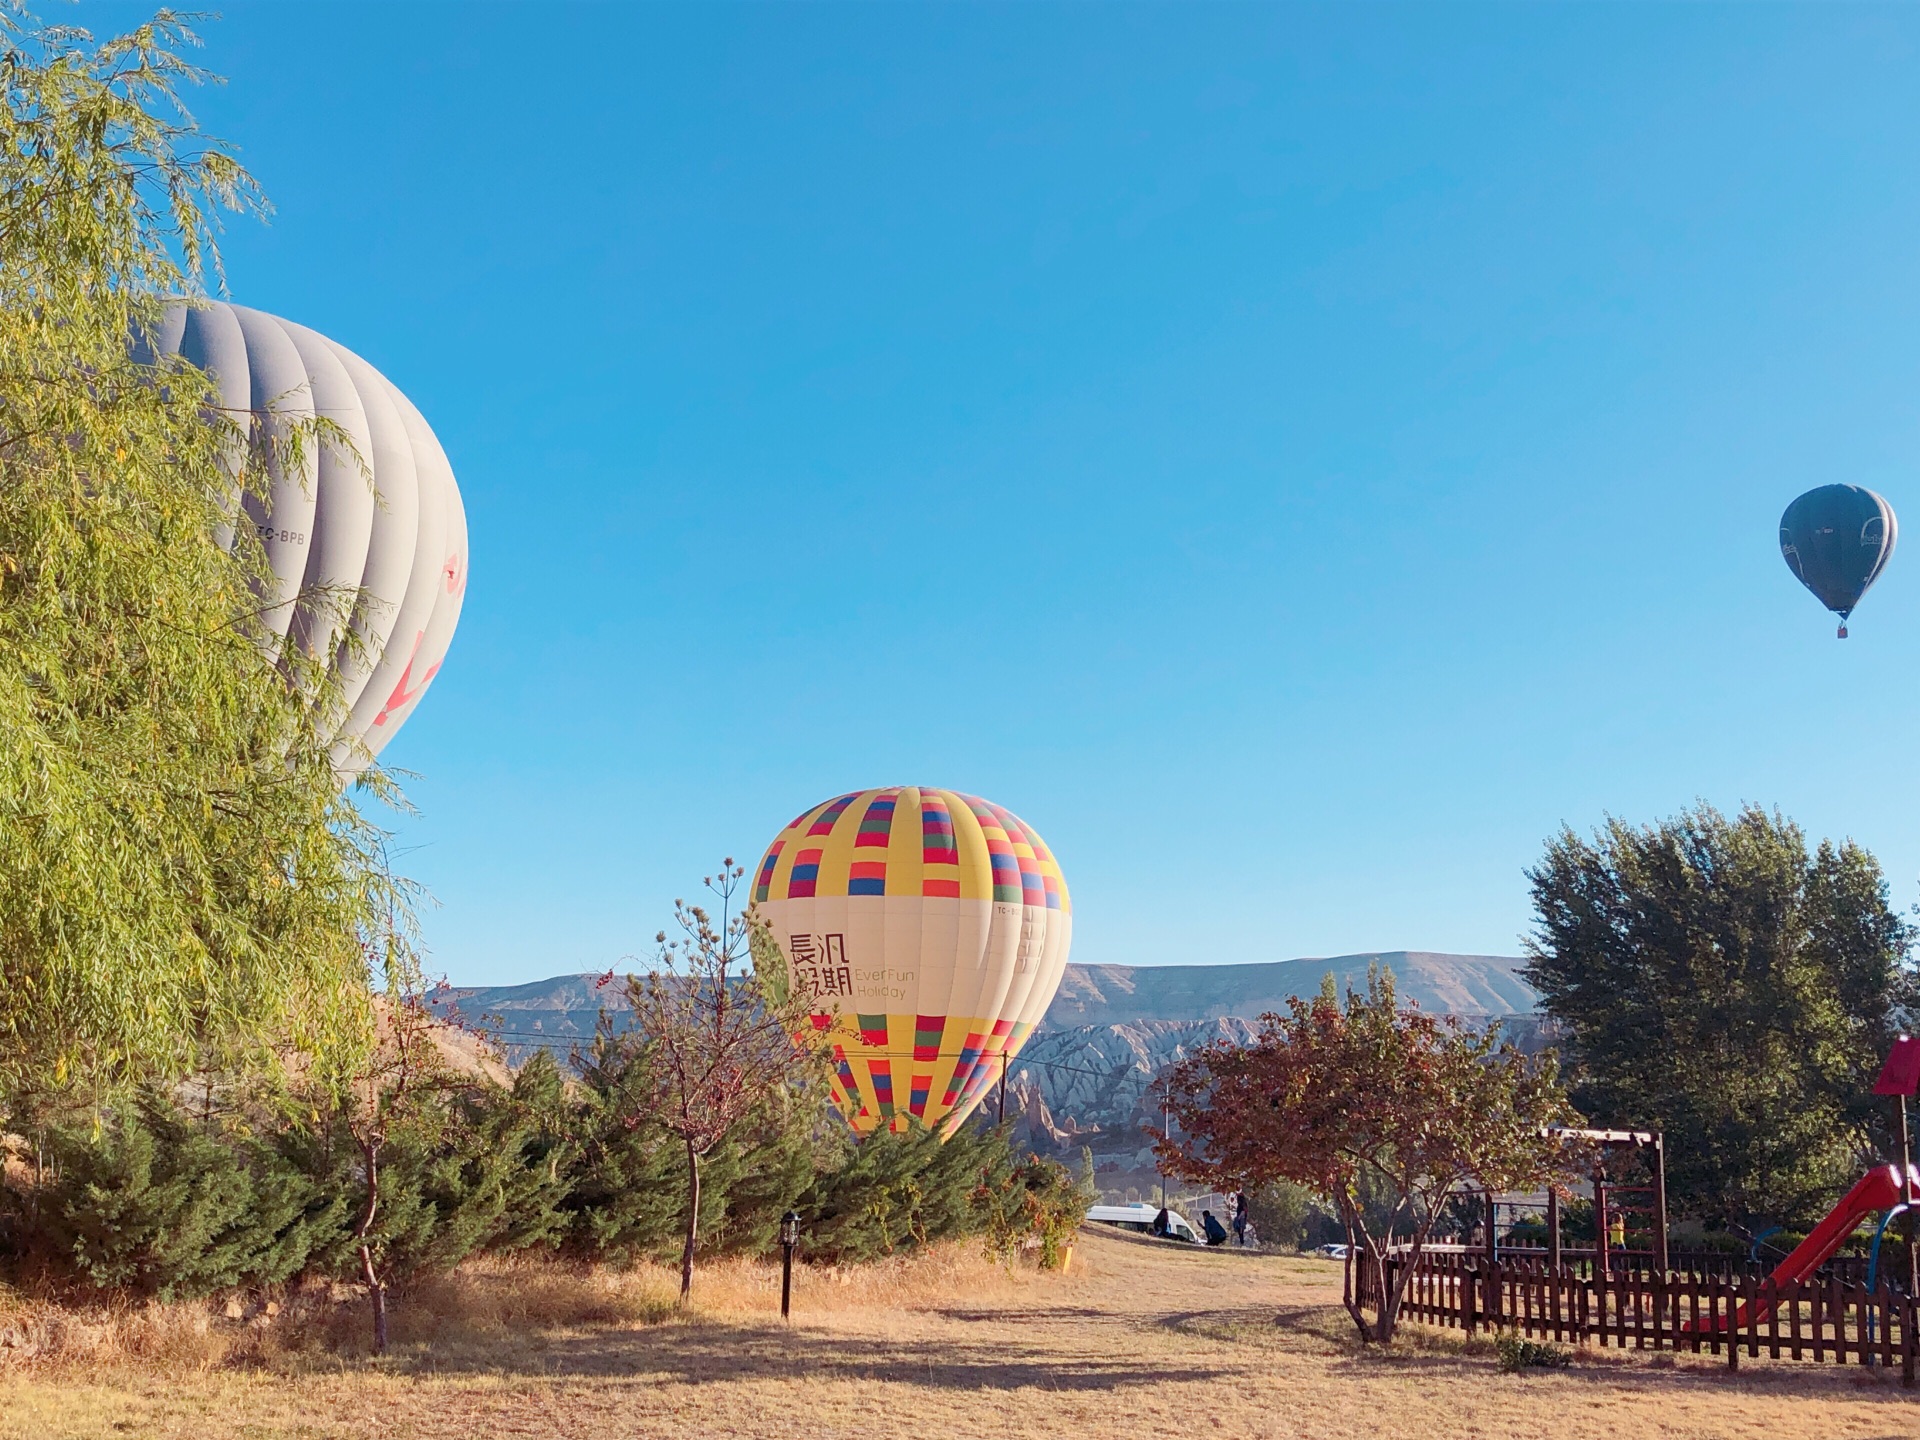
[
  {"x": 1358, "y": 1258},
  {"x": 1372, "y": 1260},
  {"x": 1392, "y": 1298},
  {"x": 1381, "y": 1332},
  {"x": 377, "y": 1297},
  {"x": 376, "y": 1287},
  {"x": 693, "y": 1224}
]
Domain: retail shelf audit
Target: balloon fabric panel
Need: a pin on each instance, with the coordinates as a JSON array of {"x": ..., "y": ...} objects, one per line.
[
  {"x": 343, "y": 512},
  {"x": 280, "y": 396},
  {"x": 392, "y": 543}
]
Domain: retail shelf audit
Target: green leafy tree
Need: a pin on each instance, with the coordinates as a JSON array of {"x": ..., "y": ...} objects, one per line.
[
  {"x": 1719, "y": 982},
  {"x": 529, "y": 1127},
  {"x": 439, "y": 1167},
  {"x": 898, "y": 1189},
  {"x": 1363, "y": 1100},
  {"x": 1280, "y": 1211},
  {"x": 180, "y": 875}
]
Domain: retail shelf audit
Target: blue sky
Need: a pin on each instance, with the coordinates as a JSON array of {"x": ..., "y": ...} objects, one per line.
[{"x": 1294, "y": 457}]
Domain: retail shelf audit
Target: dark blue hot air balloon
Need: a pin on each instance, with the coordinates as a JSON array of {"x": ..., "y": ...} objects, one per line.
[{"x": 1837, "y": 540}]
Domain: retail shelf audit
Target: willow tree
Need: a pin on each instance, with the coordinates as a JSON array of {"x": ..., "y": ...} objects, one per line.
[{"x": 180, "y": 874}]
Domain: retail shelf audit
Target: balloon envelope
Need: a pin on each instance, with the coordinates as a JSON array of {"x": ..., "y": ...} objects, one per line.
[
  {"x": 1836, "y": 540},
  {"x": 388, "y": 524},
  {"x": 931, "y": 930}
]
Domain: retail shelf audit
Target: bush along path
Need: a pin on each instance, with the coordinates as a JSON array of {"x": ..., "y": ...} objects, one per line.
[{"x": 153, "y": 1195}]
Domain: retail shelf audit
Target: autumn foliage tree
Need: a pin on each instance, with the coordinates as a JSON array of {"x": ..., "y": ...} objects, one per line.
[
  {"x": 1346, "y": 1097},
  {"x": 717, "y": 1022}
]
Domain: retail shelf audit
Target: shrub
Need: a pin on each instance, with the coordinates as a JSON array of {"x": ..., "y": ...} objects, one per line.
[
  {"x": 1038, "y": 1200},
  {"x": 1530, "y": 1230},
  {"x": 901, "y": 1188},
  {"x": 159, "y": 1204},
  {"x": 1518, "y": 1354},
  {"x": 149, "y": 1200},
  {"x": 626, "y": 1181}
]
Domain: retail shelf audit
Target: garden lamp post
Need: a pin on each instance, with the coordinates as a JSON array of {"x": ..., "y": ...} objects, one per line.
[{"x": 789, "y": 1237}]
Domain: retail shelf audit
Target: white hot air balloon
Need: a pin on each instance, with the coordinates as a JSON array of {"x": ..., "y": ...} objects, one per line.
[{"x": 387, "y": 526}]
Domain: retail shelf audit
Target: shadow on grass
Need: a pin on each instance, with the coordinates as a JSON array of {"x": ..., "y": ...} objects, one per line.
[
  {"x": 706, "y": 1351},
  {"x": 1447, "y": 1353},
  {"x": 1439, "y": 1351}
]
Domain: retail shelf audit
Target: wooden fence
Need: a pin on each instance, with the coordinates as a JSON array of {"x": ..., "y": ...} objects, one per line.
[
  {"x": 1828, "y": 1319},
  {"x": 1583, "y": 1259}
]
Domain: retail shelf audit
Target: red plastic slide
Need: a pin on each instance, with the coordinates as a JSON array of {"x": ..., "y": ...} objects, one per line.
[{"x": 1877, "y": 1190}]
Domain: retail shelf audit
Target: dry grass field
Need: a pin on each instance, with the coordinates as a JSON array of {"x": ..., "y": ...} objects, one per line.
[{"x": 1138, "y": 1340}]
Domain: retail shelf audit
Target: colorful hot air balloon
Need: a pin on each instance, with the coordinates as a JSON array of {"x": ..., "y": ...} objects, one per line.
[
  {"x": 401, "y": 541},
  {"x": 1836, "y": 540},
  {"x": 931, "y": 929}
]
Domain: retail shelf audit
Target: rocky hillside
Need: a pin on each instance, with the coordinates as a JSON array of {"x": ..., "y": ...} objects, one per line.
[
  {"x": 1443, "y": 984},
  {"x": 1086, "y": 1087}
]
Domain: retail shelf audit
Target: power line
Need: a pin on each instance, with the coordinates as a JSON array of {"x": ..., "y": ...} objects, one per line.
[{"x": 529, "y": 1037}]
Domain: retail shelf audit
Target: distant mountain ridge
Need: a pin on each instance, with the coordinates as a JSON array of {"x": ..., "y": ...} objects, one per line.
[
  {"x": 564, "y": 1009},
  {"x": 1442, "y": 984}
]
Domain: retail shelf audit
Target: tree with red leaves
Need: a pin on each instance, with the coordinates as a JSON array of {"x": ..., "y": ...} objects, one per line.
[
  {"x": 718, "y": 1024},
  {"x": 1361, "y": 1096}
]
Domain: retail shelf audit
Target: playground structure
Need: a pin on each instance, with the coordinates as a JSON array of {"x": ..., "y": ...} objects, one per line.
[
  {"x": 1889, "y": 1190},
  {"x": 1615, "y": 1294},
  {"x": 1613, "y": 1203}
]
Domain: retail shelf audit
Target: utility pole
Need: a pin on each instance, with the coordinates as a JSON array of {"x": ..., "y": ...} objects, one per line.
[
  {"x": 1165, "y": 1132},
  {"x": 1003, "y": 1088}
]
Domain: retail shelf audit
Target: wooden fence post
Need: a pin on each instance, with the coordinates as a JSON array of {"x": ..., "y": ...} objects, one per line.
[
  {"x": 1908, "y": 1310},
  {"x": 1659, "y": 1202},
  {"x": 1602, "y": 1258},
  {"x": 1553, "y": 1227}
]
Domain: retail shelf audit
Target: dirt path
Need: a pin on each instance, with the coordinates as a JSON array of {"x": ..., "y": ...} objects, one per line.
[{"x": 1140, "y": 1341}]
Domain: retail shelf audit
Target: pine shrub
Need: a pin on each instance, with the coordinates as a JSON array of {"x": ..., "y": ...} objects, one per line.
[
  {"x": 158, "y": 1203},
  {"x": 144, "y": 1198}
]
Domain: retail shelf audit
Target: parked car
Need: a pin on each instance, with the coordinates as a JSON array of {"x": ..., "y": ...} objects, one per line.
[
  {"x": 1333, "y": 1252},
  {"x": 1139, "y": 1218}
]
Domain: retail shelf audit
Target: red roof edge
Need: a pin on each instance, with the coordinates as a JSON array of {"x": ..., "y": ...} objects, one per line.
[{"x": 1901, "y": 1074}]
